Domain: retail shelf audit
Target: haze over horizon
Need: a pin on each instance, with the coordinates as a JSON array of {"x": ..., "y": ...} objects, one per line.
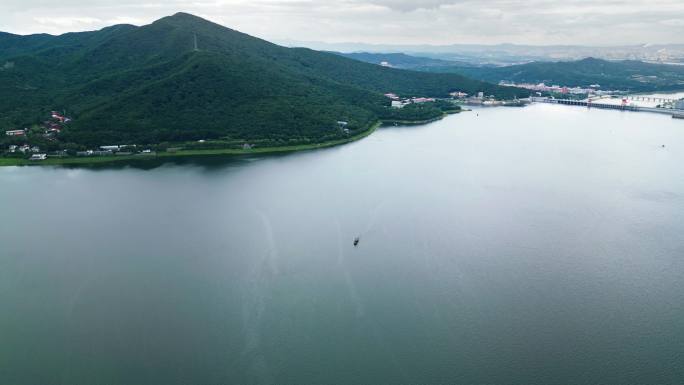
[{"x": 434, "y": 22}]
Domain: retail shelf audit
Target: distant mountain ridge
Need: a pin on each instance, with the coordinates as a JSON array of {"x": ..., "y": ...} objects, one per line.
[
  {"x": 127, "y": 84},
  {"x": 507, "y": 54},
  {"x": 399, "y": 60},
  {"x": 626, "y": 75}
]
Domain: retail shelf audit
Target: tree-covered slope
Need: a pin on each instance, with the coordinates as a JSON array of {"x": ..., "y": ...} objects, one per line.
[
  {"x": 202, "y": 96},
  {"x": 184, "y": 78},
  {"x": 614, "y": 75}
]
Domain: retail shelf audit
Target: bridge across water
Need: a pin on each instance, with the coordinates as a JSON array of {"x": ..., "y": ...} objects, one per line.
[
  {"x": 590, "y": 103},
  {"x": 597, "y": 104}
]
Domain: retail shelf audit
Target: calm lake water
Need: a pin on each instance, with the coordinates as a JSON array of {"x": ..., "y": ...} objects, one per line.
[{"x": 538, "y": 245}]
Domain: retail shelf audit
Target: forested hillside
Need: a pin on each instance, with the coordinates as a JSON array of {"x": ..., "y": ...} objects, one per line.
[{"x": 184, "y": 78}]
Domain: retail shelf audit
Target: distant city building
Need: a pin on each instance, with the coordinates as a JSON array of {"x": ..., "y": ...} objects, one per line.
[
  {"x": 480, "y": 95},
  {"x": 541, "y": 87},
  {"x": 679, "y": 104},
  {"x": 385, "y": 64}
]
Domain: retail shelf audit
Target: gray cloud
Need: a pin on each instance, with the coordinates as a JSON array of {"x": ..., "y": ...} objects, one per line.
[
  {"x": 379, "y": 21},
  {"x": 408, "y": 6}
]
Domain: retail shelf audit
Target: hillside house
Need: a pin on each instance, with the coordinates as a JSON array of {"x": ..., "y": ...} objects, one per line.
[{"x": 56, "y": 115}]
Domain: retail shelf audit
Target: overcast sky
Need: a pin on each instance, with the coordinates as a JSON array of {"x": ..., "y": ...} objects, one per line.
[{"x": 607, "y": 22}]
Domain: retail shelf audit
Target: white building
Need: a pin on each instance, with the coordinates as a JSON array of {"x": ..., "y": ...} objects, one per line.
[
  {"x": 679, "y": 104},
  {"x": 15, "y": 132},
  {"x": 422, "y": 100},
  {"x": 38, "y": 157}
]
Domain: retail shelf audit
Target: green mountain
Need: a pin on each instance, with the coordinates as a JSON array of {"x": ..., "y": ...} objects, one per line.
[
  {"x": 628, "y": 75},
  {"x": 183, "y": 78}
]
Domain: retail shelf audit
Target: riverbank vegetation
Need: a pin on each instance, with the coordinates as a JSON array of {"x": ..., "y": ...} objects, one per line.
[{"x": 190, "y": 149}]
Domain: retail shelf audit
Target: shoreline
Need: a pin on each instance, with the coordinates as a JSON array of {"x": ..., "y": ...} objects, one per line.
[
  {"x": 391, "y": 122},
  {"x": 92, "y": 161},
  {"x": 86, "y": 161}
]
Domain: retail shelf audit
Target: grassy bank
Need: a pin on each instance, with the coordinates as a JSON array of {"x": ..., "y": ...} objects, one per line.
[
  {"x": 184, "y": 153},
  {"x": 419, "y": 122}
]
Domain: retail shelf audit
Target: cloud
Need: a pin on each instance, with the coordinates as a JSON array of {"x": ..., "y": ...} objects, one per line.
[
  {"x": 408, "y": 6},
  {"x": 67, "y": 22},
  {"x": 379, "y": 21},
  {"x": 125, "y": 20}
]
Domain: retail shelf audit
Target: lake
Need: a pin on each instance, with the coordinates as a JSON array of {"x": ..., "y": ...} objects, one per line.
[{"x": 537, "y": 245}]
